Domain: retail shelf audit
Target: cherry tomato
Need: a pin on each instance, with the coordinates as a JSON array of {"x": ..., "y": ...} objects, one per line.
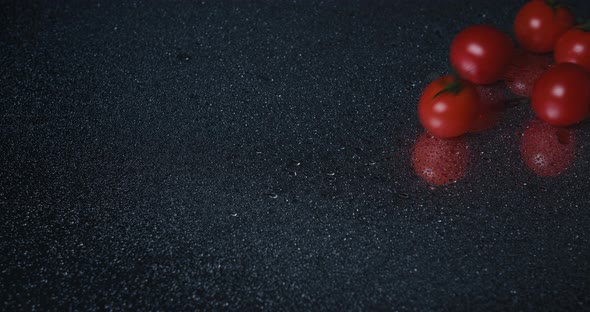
[
  {"x": 491, "y": 105},
  {"x": 524, "y": 70},
  {"x": 574, "y": 47},
  {"x": 561, "y": 96},
  {"x": 547, "y": 150},
  {"x": 481, "y": 53},
  {"x": 449, "y": 113},
  {"x": 440, "y": 161},
  {"x": 539, "y": 24}
]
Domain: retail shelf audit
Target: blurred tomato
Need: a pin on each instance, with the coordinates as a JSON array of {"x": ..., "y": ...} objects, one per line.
[
  {"x": 481, "y": 53},
  {"x": 574, "y": 47},
  {"x": 561, "y": 95},
  {"x": 539, "y": 24},
  {"x": 448, "y": 107}
]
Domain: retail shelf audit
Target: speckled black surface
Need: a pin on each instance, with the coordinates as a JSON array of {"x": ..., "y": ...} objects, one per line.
[{"x": 247, "y": 155}]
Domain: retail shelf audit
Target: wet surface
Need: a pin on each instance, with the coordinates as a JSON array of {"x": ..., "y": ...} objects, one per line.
[{"x": 252, "y": 155}]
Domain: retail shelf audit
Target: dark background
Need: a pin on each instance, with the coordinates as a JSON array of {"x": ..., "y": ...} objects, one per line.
[{"x": 249, "y": 154}]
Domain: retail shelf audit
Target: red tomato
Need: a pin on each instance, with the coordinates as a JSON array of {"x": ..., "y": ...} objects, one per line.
[
  {"x": 481, "y": 53},
  {"x": 547, "y": 150},
  {"x": 491, "y": 105},
  {"x": 574, "y": 47},
  {"x": 450, "y": 113},
  {"x": 440, "y": 161},
  {"x": 561, "y": 96},
  {"x": 539, "y": 24},
  {"x": 524, "y": 70}
]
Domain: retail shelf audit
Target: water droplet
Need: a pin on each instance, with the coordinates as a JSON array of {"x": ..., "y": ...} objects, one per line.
[
  {"x": 184, "y": 57},
  {"x": 331, "y": 173},
  {"x": 294, "y": 163},
  {"x": 272, "y": 195},
  {"x": 404, "y": 195}
]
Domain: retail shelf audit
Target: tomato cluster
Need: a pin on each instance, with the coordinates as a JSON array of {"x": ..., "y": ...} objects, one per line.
[{"x": 485, "y": 60}]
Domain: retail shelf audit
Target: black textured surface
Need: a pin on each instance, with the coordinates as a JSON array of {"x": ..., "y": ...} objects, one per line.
[{"x": 216, "y": 154}]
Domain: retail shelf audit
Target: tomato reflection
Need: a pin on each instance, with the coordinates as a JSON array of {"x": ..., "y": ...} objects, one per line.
[
  {"x": 440, "y": 161},
  {"x": 525, "y": 69},
  {"x": 547, "y": 150},
  {"x": 491, "y": 105}
]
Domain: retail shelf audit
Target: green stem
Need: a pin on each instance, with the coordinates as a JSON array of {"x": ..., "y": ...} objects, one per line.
[
  {"x": 454, "y": 87},
  {"x": 585, "y": 26},
  {"x": 553, "y": 4}
]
